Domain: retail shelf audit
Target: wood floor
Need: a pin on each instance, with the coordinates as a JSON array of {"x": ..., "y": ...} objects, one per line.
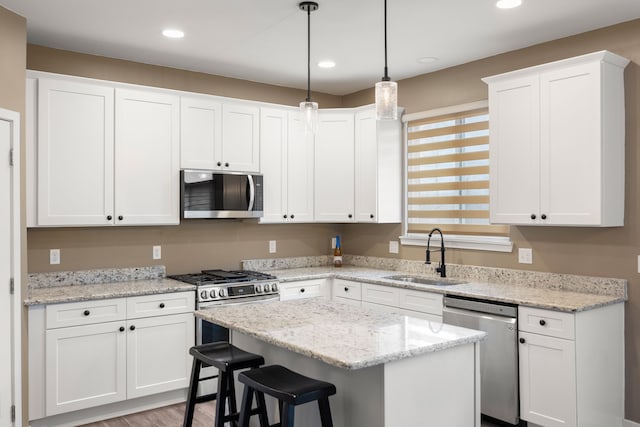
[{"x": 172, "y": 416}]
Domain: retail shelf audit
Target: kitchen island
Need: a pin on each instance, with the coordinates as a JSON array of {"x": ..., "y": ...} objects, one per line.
[{"x": 390, "y": 370}]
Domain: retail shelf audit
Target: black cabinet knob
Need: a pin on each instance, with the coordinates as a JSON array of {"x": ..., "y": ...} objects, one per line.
[
  {"x": 86, "y": 312},
  {"x": 350, "y": 216},
  {"x": 109, "y": 217},
  {"x": 292, "y": 216},
  {"x": 284, "y": 216},
  {"x": 542, "y": 322},
  {"x": 219, "y": 163},
  {"x": 346, "y": 289},
  {"x": 522, "y": 340},
  {"x": 132, "y": 327},
  {"x": 120, "y": 217},
  {"x": 121, "y": 328},
  {"x": 226, "y": 165},
  {"x": 161, "y": 305},
  {"x": 543, "y": 216},
  {"x": 371, "y": 216},
  {"x": 533, "y": 216},
  {"x": 302, "y": 290}
]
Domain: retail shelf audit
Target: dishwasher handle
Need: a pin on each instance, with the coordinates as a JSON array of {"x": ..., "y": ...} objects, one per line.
[{"x": 488, "y": 307}]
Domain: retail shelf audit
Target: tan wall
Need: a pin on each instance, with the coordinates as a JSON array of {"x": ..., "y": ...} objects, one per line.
[
  {"x": 13, "y": 39},
  {"x": 600, "y": 252},
  {"x": 608, "y": 252}
]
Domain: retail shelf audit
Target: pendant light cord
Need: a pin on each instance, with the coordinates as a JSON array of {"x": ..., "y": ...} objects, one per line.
[
  {"x": 386, "y": 70},
  {"x": 309, "y": 53}
]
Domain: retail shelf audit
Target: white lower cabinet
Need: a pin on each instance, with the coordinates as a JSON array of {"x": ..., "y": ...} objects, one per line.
[
  {"x": 347, "y": 291},
  {"x": 427, "y": 305},
  {"x": 571, "y": 367},
  {"x": 78, "y": 360},
  {"x": 305, "y": 289}
]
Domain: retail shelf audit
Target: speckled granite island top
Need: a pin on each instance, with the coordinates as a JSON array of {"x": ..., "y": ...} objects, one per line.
[{"x": 339, "y": 334}]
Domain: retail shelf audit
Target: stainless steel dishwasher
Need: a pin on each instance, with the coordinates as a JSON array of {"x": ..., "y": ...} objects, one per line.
[{"x": 498, "y": 352}]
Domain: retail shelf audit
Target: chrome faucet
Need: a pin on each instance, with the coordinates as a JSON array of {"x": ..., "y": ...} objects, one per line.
[{"x": 442, "y": 268}]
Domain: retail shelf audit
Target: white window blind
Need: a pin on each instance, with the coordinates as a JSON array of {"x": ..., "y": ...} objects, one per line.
[{"x": 448, "y": 174}]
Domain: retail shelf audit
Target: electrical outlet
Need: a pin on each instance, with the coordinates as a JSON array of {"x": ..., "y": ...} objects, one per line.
[
  {"x": 393, "y": 247},
  {"x": 525, "y": 256},
  {"x": 333, "y": 243},
  {"x": 54, "y": 256},
  {"x": 157, "y": 252},
  {"x": 272, "y": 246},
  {"x": 638, "y": 263}
]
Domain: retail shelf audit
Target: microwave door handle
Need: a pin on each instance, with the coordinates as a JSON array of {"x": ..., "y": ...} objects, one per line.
[{"x": 252, "y": 192}]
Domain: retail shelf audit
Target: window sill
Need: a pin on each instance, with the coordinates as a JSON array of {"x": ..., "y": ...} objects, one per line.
[{"x": 480, "y": 243}]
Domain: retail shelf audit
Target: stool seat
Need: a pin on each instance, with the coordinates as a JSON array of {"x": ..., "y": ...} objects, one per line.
[
  {"x": 286, "y": 385},
  {"x": 225, "y": 356}
]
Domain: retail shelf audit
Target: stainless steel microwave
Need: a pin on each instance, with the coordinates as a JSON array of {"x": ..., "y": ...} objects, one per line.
[{"x": 210, "y": 194}]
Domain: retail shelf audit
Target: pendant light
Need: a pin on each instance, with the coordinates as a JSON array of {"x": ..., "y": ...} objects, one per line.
[
  {"x": 386, "y": 90},
  {"x": 309, "y": 108}
]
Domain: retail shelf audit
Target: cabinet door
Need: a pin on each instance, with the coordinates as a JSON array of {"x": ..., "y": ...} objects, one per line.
[
  {"x": 334, "y": 167},
  {"x": 366, "y": 167},
  {"x": 273, "y": 161},
  {"x": 547, "y": 380},
  {"x": 570, "y": 145},
  {"x": 147, "y": 168},
  {"x": 200, "y": 133},
  {"x": 75, "y": 153},
  {"x": 158, "y": 357},
  {"x": 85, "y": 366},
  {"x": 241, "y": 137},
  {"x": 514, "y": 151},
  {"x": 300, "y": 171}
]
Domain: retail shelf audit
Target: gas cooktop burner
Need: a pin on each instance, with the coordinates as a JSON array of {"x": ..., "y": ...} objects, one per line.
[{"x": 214, "y": 277}]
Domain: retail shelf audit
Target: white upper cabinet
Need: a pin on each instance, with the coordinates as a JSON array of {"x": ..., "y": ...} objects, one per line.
[
  {"x": 378, "y": 168},
  {"x": 105, "y": 156},
  {"x": 557, "y": 143},
  {"x": 75, "y": 130},
  {"x": 218, "y": 135},
  {"x": 287, "y": 167},
  {"x": 334, "y": 167}
]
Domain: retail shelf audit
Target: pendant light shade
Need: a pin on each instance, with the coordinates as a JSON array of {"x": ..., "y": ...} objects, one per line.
[
  {"x": 309, "y": 108},
  {"x": 386, "y": 90}
]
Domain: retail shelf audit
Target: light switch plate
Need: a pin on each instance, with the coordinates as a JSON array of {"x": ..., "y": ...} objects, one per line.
[
  {"x": 157, "y": 252},
  {"x": 333, "y": 243},
  {"x": 54, "y": 256},
  {"x": 525, "y": 256},
  {"x": 272, "y": 246},
  {"x": 394, "y": 248}
]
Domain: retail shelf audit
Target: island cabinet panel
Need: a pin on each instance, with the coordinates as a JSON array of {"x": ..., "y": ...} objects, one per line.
[
  {"x": 305, "y": 289},
  {"x": 572, "y": 366},
  {"x": 557, "y": 136}
]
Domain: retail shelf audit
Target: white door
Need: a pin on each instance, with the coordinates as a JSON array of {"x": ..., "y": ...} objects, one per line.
[
  {"x": 300, "y": 167},
  {"x": 273, "y": 159},
  {"x": 200, "y": 133},
  {"x": 10, "y": 309},
  {"x": 366, "y": 167},
  {"x": 240, "y": 137}
]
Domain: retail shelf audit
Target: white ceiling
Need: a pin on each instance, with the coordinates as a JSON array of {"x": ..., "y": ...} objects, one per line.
[{"x": 265, "y": 41}]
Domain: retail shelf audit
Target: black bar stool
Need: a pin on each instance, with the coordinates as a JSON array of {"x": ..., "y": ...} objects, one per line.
[
  {"x": 227, "y": 359},
  {"x": 290, "y": 388}
]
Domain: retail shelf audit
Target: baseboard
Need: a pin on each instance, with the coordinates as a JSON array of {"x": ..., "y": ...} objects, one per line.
[{"x": 627, "y": 423}]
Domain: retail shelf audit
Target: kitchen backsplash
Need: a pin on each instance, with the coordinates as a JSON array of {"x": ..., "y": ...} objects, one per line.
[{"x": 90, "y": 277}]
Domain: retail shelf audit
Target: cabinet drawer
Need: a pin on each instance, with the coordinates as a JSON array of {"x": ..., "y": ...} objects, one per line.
[
  {"x": 378, "y": 294},
  {"x": 303, "y": 289},
  {"x": 347, "y": 289},
  {"x": 424, "y": 302},
  {"x": 85, "y": 312},
  {"x": 160, "y": 304},
  {"x": 546, "y": 322}
]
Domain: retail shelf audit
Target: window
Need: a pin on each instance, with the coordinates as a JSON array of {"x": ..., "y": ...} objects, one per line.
[{"x": 448, "y": 178}]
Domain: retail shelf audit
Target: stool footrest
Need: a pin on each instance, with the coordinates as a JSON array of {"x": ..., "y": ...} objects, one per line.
[{"x": 206, "y": 398}]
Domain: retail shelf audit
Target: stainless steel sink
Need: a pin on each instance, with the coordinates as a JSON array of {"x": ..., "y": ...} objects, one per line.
[{"x": 424, "y": 280}]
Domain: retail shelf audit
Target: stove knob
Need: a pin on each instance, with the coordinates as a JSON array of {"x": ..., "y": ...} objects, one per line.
[
  {"x": 267, "y": 287},
  {"x": 222, "y": 293},
  {"x": 259, "y": 288},
  {"x": 274, "y": 287},
  {"x": 212, "y": 293},
  {"x": 204, "y": 294}
]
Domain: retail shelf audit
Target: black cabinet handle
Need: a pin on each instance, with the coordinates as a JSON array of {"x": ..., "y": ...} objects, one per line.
[
  {"x": 346, "y": 289},
  {"x": 109, "y": 217},
  {"x": 284, "y": 216},
  {"x": 121, "y": 328},
  {"x": 219, "y": 163},
  {"x": 350, "y": 216},
  {"x": 120, "y": 217},
  {"x": 132, "y": 327},
  {"x": 543, "y": 216},
  {"x": 533, "y": 216},
  {"x": 226, "y": 165},
  {"x": 86, "y": 312},
  {"x": 371, "y": 216},
  {"x": 161, "y": 305},
  {"x": 542, "y": 322},
  {"x": 522, "y": 341},
  {"x": 302, "y": 290},
  {"x": 292, "y": 216}
]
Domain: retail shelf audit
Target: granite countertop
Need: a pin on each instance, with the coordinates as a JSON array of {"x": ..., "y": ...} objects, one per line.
[
  {"x": 547, "y": 295},
  {"x": 317, "y": 328},
  {"x": 71, "y": 286}
]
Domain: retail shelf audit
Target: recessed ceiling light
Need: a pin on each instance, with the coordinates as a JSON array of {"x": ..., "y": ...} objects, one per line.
[
  {"x": 427, "y": 60},
  {"x": 508, "y": 4},
  {"x": 173, "y": 34},
  {"x": 326, "y": 64}
]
